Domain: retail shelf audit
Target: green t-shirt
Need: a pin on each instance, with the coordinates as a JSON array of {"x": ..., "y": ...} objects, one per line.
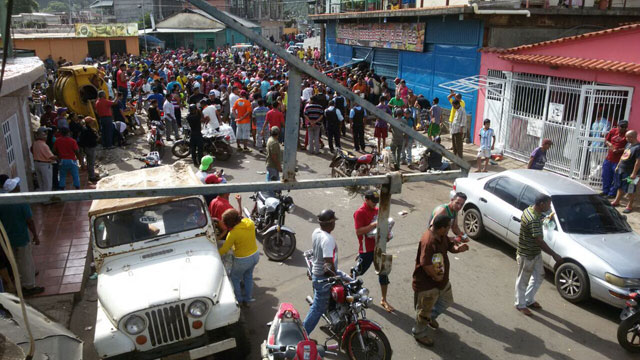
[
  {"x": 396, "y": 102},
  {"x": 273, "y": 148},
  {"x": 530, "y": 229}
]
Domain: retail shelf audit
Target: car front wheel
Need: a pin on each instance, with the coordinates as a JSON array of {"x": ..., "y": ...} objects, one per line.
[
  {"x": 472, "y": 223},
  {"x": 572, "y": 282}
]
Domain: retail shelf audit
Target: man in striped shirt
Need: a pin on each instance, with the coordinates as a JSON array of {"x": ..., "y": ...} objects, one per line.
[
  {"x": 529, "y": 255},
  {"x": 313, "y": 115}
]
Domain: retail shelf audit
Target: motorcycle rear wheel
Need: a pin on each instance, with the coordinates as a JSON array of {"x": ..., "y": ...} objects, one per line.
[
  {"x": 376, "y": 341},
  {"x": 180, "y": 149},
  {"x": 223, "y": 151},
  {"x": 629, "y": 333},
  {"x": 279, "y": 248}
]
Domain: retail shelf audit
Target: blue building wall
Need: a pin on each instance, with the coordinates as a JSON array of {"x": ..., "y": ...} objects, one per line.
[{"x": 451, "y": 52}]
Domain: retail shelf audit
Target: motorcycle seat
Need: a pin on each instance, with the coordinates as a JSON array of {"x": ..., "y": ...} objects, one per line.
[
  {"x": 264, "y": 195},
  {"x": 349, "y": 156},
  {"x": 289, "y": 334}
]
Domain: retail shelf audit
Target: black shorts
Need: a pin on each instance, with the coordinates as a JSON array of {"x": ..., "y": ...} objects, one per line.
[{"x": 366, "y": 259}]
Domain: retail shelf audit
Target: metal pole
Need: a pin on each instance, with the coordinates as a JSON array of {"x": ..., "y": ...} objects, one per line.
[
  {"x": 291, "y": 125},
  {"x": 381, "y": 260},
  {"x": 144, "y": 29},
  {"x": 294, "y": 62},
  {"x": 82, "y": 195}
]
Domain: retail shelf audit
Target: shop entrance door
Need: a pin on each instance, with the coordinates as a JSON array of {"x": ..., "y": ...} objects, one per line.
[
  {"x": 96, "y": 48},
  {"x": 118, "y": 47}
]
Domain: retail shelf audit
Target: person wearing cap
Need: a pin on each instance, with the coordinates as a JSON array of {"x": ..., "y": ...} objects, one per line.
[
  {"x": 615, "y": 141},
  {"x": 61, "y": 118},
  {"x": 242, "y": 110},
  {"x": 206, "y": 169},
  {"x": 68, "y": 151},
  {"x": 432, "y": 293},
  {"x": 324, "y": 265},
  {"x": 539, "y": 156},
  {"x": 195, "y": 119},
  {"x": 105, "y": 116},
  {"x": 366, "y": 220},
  {"x": 274, "y": 155},
  {"x": 17, "y": 220},
  {"x": 43, "y": 159}
]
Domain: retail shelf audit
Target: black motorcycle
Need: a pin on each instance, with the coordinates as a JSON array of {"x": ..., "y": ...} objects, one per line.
[
  {"x": 268, "y": 214},
  {"x": 629, "y": 328},
  {"x": 213, "y": 143}
]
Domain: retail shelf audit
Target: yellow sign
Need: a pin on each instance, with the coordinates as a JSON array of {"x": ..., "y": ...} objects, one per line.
[{"x": 106, "y": 30}]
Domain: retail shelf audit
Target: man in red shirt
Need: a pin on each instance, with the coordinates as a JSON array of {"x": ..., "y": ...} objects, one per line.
[
  {"x": 218, "y": 206},
  {"x": 615, "y": 140},
  {"x": 105, "y": 117},
  {"x": 121, "y": 82},
  {"x": 68, "y": 151},
  {"x": 275, "y": 117},
  {"x": 366, "y": 220}
]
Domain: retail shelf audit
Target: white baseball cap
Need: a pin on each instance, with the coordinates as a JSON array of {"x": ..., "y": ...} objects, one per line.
[{"x": 11, "y": 184}]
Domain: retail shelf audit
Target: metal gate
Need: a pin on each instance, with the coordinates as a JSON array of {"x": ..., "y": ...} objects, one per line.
[
  {"x": 574, "y": 114},
  {"x": 385, "y": 63}
]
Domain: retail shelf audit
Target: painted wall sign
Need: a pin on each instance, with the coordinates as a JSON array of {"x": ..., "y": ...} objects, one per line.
[
  {"x": 106, "y": 30},
  {"x": 389, "y": 36}
]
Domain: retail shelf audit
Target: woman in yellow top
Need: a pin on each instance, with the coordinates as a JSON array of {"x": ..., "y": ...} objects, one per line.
[{"x": 242, "y": 236}]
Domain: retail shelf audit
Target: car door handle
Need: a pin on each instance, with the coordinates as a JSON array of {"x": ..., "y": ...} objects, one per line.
[
  {"x": 515, "y": 218},
  {"x": 483, "y": 200}
]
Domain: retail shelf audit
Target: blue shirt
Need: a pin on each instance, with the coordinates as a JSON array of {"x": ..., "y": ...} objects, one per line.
[
  {"x": 171, "y": 85},
  {"x": 486, "y": 137},
  {"x": 264, "y": 88},
  {"x": 260, "y": 113},
  {"x": 158, "y": 97},
  {"x": 352, "y": 113},
  {"x": 14, "y": 219}
]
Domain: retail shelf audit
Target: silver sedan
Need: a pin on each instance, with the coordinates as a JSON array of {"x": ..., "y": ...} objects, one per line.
[{"x": 601, "y": 253}]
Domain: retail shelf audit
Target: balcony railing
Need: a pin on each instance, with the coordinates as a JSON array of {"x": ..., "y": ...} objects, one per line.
[{"x": 342, "y": 6}]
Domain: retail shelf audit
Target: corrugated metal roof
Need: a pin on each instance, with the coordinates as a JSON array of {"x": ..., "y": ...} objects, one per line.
[
  {"x": 629, "y": 27},
  {"x": 242, "y": 21},
  {"x": 578, "y": 63}
]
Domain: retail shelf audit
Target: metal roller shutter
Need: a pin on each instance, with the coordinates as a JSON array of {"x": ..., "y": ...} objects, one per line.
[
  {"x": 360, "y": 52},
  {"x": 385, "y": 63}
]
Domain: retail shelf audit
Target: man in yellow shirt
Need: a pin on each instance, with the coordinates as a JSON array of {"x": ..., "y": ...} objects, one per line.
[
  {"x": 301, "y": 54},
  {"x": 453, "y": 96}
]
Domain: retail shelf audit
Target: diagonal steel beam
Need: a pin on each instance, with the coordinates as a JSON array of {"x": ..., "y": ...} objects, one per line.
[
  {"x": 312, "y": 72},
  {"x": 82, "y": 195}
]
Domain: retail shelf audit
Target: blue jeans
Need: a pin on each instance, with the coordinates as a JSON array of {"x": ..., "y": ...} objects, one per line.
[
  {"x": 610, "y": 183},
  {"x": 273, "y": 174},
  {"x": 407, "y": 149},
  {"x": 67, "y": 165},
  {"x": 106, "y": 126},
  {"x": 242, "y": 271},
  {"x": 366, "y": 261},
  {"x": 321, "y": 293}
]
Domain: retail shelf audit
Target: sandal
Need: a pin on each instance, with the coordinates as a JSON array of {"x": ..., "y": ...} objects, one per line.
[
  {"x": 525, "y": 311},
  {"x": 627, "y": 210},
  {"x": 386, "y": 306},
  {"x": 615, "y": 204}
]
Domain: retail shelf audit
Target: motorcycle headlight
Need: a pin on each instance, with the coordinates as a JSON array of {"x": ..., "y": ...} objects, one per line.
[
  {"x": 197, "y": 308},
  {"x": 363, "y": 292},
  {"x": 621, "y": 282},
  {"x": 291, "y": 207},
  {"x": 134, "y": 325}
]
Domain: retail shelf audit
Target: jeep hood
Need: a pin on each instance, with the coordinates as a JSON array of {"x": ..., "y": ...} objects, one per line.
[{"x": 160, "y": 275}]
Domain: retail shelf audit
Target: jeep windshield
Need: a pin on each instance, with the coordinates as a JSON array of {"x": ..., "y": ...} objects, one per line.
[{"x": 149, "y": 222}]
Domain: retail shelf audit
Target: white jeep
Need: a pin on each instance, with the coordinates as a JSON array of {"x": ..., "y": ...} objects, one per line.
[{"x": 162, "y": 287}]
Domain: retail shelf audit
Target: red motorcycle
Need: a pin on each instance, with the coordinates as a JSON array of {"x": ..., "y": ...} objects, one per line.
[
  {"x": 346, "y": 164},
  {"x": 346, "y": 317},
  {"x": 288, "y": 339}
]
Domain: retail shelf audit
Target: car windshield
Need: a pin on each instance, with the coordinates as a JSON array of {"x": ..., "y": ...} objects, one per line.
[
  {"x": 588, "y": 214},
  {"x": 149, "y": 222}
]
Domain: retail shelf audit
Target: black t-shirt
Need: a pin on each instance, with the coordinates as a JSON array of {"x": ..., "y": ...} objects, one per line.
[
  {"x": 195, "y": 125},
  {"x": 88, "y": 138},
  {"x": 629, "y": 157},
  {"x": 154, "y": 114},
  {"x": 195, "y": 99}
]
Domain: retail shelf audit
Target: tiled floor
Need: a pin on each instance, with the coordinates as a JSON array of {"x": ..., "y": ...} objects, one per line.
[{"x": 64, "y": 241}]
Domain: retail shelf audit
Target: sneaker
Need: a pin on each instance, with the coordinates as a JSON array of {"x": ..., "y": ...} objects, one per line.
[{"x": 33, "y": 291}]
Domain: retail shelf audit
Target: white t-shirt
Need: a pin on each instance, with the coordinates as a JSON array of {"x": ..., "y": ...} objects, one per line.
[
  {"x": 232, "y": 100},
  {"x": 324, "y": 246},
  {"x": 307, "y": 93},
  {"x": 210, "y": 112},
  {"x": 169, "y": 113}
]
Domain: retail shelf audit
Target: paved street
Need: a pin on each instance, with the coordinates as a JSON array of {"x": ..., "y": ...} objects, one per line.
[{"x": 481, "y": 325}]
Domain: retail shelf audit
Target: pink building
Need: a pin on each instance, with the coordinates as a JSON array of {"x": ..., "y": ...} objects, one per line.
[{"x": 572, "y": 90}]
